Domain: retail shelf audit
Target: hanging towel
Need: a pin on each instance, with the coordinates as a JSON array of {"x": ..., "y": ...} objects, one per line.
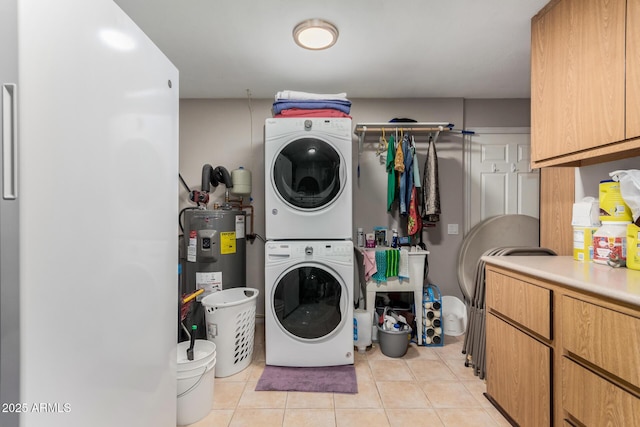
[
  {"x": 416, "y": 166},
  {"x": 369, "y": 262},
  {"x": 381, "y": 267},
  {"x": 391, "y": 174},
  {"x": 393, "y": 259},
  {"x": 430, "y": 188},
  {"x": 406, "y": 178},
  {"x": 403, "y": 267}
]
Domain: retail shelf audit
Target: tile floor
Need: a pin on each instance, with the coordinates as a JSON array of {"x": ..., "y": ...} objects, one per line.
[{"x": 429, "y": 386}]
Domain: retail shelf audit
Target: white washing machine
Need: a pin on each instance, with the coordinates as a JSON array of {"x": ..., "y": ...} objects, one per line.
[
  {"x": 309, "y": 303},
  {"x": 308, "y": 182}
]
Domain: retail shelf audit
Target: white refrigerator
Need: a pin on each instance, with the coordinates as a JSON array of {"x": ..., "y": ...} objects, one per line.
[{"x": 88, "y": 285}]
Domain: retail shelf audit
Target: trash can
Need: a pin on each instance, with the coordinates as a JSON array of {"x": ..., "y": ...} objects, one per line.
[{"x": 230, "y": 317}]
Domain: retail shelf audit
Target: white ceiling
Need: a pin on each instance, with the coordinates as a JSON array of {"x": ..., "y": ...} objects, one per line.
[{"x": 386, "y": 48}]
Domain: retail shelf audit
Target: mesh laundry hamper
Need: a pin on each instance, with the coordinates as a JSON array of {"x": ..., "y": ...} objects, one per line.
[{"x": 230, "y": 316}]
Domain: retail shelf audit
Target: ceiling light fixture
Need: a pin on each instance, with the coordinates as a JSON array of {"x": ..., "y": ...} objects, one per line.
[{"x": 315, "y": 34}]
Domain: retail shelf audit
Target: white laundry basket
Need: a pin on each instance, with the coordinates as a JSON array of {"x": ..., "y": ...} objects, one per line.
[{"x": 230, "y": 317}]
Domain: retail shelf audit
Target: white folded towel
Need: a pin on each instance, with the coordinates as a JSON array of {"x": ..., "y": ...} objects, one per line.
[{"x": 292, "y": 94}]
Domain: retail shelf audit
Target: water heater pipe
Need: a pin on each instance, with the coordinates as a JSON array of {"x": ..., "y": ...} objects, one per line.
[{"x": 211, "y": 176}]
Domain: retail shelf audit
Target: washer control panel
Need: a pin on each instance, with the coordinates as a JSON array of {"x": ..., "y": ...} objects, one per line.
[{"x": 337, "y": 250}]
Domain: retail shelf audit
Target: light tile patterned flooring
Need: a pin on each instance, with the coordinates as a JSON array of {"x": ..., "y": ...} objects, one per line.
[{"x": 429, "y": 386}]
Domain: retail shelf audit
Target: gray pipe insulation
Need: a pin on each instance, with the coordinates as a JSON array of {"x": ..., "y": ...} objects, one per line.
[{"x": 211, "y": 176}]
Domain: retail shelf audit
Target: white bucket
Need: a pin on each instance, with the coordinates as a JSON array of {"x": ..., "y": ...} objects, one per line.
[
  {"x": 195, "y": 381},
  {"x": 454, "y": 316}
]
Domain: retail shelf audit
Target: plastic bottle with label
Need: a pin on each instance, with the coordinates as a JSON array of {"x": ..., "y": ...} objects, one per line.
[
  {"x": 360, "y": 237},
  {"x": 610, "y": 243},
  {"x": 394, "y": 239}
]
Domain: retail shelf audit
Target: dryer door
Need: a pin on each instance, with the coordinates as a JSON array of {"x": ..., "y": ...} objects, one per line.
[
  {"x": 308, "y": 174},
  {"x": 309, "y": 301}
]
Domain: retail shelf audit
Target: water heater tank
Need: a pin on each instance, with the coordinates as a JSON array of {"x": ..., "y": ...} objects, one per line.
[{"x": 215, "y": 250}]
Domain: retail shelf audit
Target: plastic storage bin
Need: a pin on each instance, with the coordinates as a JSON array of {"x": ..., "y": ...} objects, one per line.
[{"x": 230, "y": 316}]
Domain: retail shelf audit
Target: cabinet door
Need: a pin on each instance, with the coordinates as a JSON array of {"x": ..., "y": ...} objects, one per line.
[
  {"x": 518, "y": 373},
  {"x": 527, "y": 304},
  {"x": 577, "y": 77},
  {"x": 595, "y": 401},
  {"x": 603, "y": 337},
  {"x": 633, "y": 69}
]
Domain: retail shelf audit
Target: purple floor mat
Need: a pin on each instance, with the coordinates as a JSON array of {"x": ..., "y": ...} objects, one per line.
[{"x": 326, "y": 379}]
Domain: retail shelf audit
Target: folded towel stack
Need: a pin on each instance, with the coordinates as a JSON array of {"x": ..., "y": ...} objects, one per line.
[{"x": 291, "y": 103}]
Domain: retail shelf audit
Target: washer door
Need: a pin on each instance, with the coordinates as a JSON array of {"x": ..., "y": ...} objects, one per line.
[
  {"x": 309, "y": 301},
  {"x": 307, "y": 174}
]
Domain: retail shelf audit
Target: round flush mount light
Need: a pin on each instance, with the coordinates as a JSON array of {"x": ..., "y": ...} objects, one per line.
[{"x": 315, "y": 34}]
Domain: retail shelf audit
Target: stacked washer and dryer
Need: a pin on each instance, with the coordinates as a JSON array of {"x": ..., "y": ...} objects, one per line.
[{"x": 309, "y": 259}]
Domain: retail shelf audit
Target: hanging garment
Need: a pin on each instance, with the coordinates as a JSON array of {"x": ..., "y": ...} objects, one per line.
[
  {"x": 399, "y": 159},
  {"x": 430, "y": 188},
  {"x": 406, "y": 178},
  {"x": 391, "y": 174},
  {"x": 416, "y": 166},
  {"x": 414, "y": 222}
]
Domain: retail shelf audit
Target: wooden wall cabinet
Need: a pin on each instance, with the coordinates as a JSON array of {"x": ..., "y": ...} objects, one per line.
[
  {"x": 558, "y": 356},
  {"x": 633, "y": 69},
  {"x": 584, "y": 82}
]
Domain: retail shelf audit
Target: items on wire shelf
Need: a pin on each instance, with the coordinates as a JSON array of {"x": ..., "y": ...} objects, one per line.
[{"x": 289, "y": 103}]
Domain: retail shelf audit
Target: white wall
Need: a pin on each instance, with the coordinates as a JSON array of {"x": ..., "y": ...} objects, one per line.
[
  {"x": 588, "y": 177},
  {"x": 230, "y": 133}
]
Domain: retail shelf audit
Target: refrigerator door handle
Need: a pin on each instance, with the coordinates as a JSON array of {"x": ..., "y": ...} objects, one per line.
[{"x": 9, "y": 141}]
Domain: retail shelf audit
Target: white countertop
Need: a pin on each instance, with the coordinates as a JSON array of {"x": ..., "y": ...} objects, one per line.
[{"x": 622, "y": 284}]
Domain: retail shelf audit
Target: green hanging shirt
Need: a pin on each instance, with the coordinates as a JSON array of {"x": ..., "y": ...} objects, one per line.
[{"x": 391, "y": 177}]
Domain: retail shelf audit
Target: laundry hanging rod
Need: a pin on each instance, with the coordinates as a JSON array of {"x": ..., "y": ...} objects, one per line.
[{"x": 415, "y": 127}]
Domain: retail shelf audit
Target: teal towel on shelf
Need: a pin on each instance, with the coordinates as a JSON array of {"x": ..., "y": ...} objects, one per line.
[{"x": 381, "y": 266}]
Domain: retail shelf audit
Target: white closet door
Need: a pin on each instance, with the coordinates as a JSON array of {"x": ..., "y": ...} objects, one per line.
[{"x": 498, "y": 175}]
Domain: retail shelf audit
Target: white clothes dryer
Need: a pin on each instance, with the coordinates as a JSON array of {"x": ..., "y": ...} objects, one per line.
[
  {"x": 309, "y": 303},
  {"x": 308, "y": 182}
]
